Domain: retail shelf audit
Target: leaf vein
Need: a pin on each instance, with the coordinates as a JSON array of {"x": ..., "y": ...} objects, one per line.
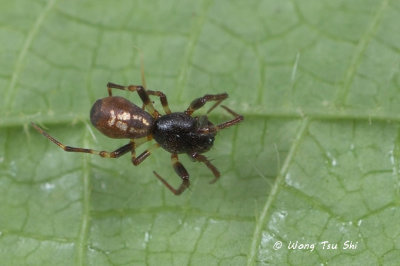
[
  {"x": 359, "y": 51},
  {"x": 8, "y": 99},
  {"x": 274, "y": 191},
  {"x": 189, "y": 51},
  {"x": 85, "y": 223}
]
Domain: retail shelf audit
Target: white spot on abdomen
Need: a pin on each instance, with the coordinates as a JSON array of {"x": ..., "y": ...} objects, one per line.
[
  {"x": 124, "y": 116},
  {"x": 122, "y": 125},
  {"x": 141, "y": 119},
  {"x": 111, "y": 121}
]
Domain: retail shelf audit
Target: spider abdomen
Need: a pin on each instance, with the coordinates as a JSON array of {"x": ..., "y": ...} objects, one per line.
[
  {"x": 116, "y": 117},
  {"x": 178, "y": 133}
]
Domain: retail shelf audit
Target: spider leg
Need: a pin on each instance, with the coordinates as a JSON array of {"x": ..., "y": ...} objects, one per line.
[
  {"x": 163, "y": 99},
  {"x": 115, "y": 154},
  {"x": 181, "y": 171},
  {"x": 139, "y": 159},
  {"x": 200, "y": 102},
  {"x": 203, "y": 159},
  {"x": 141, "y": 92},
  {"x": 226, "y": 124}
]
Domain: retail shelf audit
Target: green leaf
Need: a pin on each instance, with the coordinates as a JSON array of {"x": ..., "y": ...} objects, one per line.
[{"x": 315, "y": 162}]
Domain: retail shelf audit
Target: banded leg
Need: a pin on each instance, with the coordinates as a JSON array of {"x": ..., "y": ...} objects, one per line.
[
  {"x": 163, "y": 99},
  {"x": 181, "y": 171},
  {"x": 141, "y": 92},
  {"x": 226, "y": 124},
  {"x": 200, "y": 102},
  {"x": 139, "y": 159},
  {"x": 203, "y": 159},
  {"x": 115, "y": 154}
]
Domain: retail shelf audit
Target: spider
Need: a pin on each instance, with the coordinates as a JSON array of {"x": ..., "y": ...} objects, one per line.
[{"x": 176, "y": 132}]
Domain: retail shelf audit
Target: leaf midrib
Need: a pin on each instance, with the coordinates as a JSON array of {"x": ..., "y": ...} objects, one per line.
[{"x": 24, "y": 120}]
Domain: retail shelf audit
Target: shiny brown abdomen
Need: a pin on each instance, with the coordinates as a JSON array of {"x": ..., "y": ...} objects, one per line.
[{"x": 116, "y": 117}]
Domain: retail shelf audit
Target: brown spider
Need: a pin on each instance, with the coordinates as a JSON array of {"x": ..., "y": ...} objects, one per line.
[{"x": 176, "y": 132}]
